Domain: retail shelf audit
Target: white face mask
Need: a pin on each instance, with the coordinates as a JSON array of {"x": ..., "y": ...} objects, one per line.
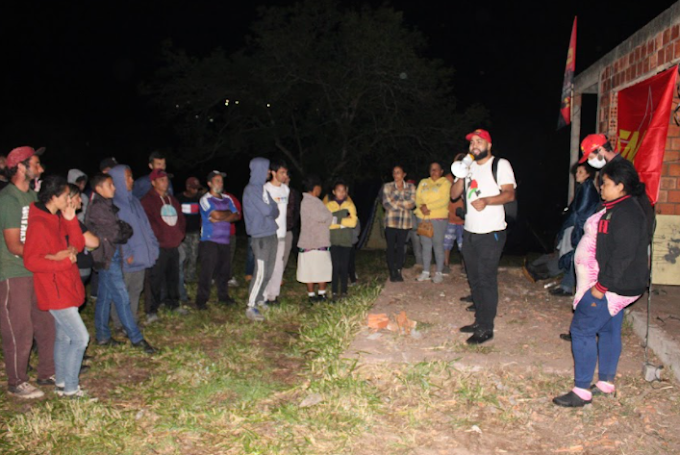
[{"x": 596, "y": 161}]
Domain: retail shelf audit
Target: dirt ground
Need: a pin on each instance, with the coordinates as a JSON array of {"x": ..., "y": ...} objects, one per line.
[{"x": 526, "y": 349}]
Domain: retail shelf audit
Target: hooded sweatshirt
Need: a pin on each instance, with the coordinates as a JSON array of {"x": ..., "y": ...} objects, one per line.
[
  {"x": 57, "y": 283},
  {"x": 259, "y": 208},
  {"x": 71, "y": 177},
  {"x": 166, "y": 218},
  {"x": 143, "y": 245}
]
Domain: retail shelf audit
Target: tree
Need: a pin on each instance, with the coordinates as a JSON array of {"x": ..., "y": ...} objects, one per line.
[{"x": 336, "y": 91}]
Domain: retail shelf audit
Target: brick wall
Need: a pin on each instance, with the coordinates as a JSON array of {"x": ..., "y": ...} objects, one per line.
[{"x": 660, "y": 52}]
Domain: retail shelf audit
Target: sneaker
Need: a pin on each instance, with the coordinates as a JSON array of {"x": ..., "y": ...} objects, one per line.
[
  {"x": 109, "y": 342},
  {"x": 571, "y": 400},
  {"x": 254, "y": 314},
  {"x": 438, "y": 278},
  {"x": 151, "y": 318},
  {"x": 78, "y": 393},
  {"x": 233, "y": 283},
  {"x": 446, "y": 270},
  {"x": 181, "y": 311},
  {"x": 424, "y": 276},
  {"x": 480, "y": 336},
  {"x": 51, "y": 381},
  {"x": 25, "y": 391},
  {"x": 145, "y": 346},
  {"x": 321, "y": 298}
]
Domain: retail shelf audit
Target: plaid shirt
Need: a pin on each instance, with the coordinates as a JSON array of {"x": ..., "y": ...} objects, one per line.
[{"x": 399, "y": 205}]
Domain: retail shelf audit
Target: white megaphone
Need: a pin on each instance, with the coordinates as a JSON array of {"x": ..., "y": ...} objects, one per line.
[{"x": 461, "y": 169}]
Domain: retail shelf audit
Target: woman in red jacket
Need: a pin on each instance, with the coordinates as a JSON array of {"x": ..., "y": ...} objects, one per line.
[{"x": 57, "y": 282}]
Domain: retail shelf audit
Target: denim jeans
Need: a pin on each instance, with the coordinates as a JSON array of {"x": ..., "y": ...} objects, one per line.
[
  {"x": 250, "y": 257},
  {"x": 112, "y": 288},
  {"x": 69, "y": 346},
  {"x": 595, "y": 337}
]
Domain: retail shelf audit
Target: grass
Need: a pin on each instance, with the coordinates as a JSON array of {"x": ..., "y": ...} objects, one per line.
[{"x": 224, "y": 385}]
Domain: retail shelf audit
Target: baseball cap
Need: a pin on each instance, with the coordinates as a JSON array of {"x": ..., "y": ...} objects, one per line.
[
  {"x": 107, "y": 162},
  {"x": 193, "y": 183},
  {"x": 484, "y": 134},
  {"x": 591, "y": 143},
  {"x": 214, "y": 173},
  {"x": 20, "y": 154},
  {"x": 158, "y": 173}
]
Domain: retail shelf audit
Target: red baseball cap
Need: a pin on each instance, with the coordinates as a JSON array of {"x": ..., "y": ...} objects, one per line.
[
  {"x": 20, "y": 154},
  {"x": 484, "y": 134},
  {"x": 158, "y": 173},
  {"x": 591, "y": 143}
]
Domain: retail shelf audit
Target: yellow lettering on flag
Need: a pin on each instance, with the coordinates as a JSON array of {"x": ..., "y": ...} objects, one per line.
[{"x": 629, "y": 143}]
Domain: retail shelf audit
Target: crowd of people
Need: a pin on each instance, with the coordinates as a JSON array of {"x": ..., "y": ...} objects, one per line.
[{"x": 128, "y": 236}]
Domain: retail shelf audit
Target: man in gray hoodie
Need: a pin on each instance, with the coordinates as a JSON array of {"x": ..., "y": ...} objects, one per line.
[{"x": 260, "y": 211}]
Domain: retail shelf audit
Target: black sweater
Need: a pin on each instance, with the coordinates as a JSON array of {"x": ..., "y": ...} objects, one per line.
[{"x": 621, "y": 252}]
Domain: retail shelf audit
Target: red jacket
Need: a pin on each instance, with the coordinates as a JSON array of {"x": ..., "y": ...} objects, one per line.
[
  {"x": 169, "y": 233},
  {"x": 57, "y": 283}
]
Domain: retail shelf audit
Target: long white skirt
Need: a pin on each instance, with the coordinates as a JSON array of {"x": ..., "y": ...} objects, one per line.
[{"x": 314, "y": 267}]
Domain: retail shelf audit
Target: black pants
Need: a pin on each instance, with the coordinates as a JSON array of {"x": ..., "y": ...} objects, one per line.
[
  {"x": 215, "y": 260},
  {"x": 164, "y": 274},
  {"x": 396, "y": 241},
  {"x": 352, "y": 266},
  {"x": 482, "y": 254},
  {"x": 340, "y": 259}
]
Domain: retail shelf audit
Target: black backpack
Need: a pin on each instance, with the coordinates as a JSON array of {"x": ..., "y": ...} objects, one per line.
[{"x": 510, "y": 207}]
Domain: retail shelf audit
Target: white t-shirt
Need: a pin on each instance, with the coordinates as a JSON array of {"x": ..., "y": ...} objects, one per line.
[
  {"x": 480, "y": 183},
  {"x": 280, "y": 195}
]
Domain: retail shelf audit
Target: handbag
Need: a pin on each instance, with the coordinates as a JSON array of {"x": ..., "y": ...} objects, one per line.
[{"x": 426, "y": 229}]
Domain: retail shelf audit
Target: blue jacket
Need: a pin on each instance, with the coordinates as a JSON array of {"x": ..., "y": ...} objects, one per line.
[
  {"x": 259, "y": 208},
  {"x": 142, "y": 246},
  {"x": 586, "y": 202}
]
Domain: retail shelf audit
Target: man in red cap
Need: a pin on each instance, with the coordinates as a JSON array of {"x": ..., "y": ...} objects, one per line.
[
  {"x": 20, "y": 318},
  {"x": 484, "y": 235},
  {"x": 169, "y": 227}
]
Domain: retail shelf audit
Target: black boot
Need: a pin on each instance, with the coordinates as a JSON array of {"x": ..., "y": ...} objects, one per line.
[
  {"x": 393, "y": 276},
  {"x": 397, "y": 275}
]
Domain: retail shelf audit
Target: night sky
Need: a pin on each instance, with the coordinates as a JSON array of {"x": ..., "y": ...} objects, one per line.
[{"x": 71, "y": 73}]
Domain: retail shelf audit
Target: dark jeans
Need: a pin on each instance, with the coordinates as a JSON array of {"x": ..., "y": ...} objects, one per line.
[
  {"x": 215, "y": 262},
  {"x": 164, "y": 274},
  {"x": 595, "y": 340},
  {"x": 340, "y": 259},
  {"x": 482, "y": 254},
  {"x": 396, "y": 240}
]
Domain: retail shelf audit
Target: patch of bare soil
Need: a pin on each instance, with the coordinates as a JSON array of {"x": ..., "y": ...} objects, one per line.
[{"x": 499, "y": 399}]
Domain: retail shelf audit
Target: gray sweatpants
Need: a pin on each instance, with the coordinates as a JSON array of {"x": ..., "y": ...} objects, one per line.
[
  {"x": 264, "y": 251},
  {"x": 435, "y": 243}
]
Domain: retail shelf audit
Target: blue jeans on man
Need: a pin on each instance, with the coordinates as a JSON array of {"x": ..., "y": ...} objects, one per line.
[
  {"x": 69, "y": 347},
  {"x": 595, "y": 340},
  {"x": 112, "y": 288}
]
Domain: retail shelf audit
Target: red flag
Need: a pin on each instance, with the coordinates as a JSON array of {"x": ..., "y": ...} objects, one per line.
[
  {"x": 643, "y": 118},
  {"x": 568, "y": 84}
]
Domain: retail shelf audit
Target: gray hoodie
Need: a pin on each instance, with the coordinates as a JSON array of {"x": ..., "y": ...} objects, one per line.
[
  {"x": 71, "y": 177},
  {"x": 259, "y": 208}
]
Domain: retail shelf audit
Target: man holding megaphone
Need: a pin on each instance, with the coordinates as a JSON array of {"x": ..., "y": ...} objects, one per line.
[{"x": 484, "y": 236}]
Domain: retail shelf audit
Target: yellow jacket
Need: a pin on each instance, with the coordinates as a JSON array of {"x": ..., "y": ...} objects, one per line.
[
  {"x": 347, "y": 222},
  {"x": 436, "y": 196}
]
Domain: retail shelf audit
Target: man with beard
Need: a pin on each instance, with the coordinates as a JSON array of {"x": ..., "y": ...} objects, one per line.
[
  {"x": 484, "y": 236},
  {"x": 20, "y": 318}
]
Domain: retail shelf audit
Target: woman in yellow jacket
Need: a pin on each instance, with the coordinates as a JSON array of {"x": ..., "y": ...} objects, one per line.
[
  {"x": 432, "y": 204},
  {"x": 344, "y": 219}
]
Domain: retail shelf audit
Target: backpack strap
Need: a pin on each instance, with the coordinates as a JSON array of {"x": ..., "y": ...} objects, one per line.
[{"x": 494, "y": 171}]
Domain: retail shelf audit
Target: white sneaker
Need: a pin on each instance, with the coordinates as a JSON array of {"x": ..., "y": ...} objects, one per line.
[
  {"x": 181, "y": 311},
  {"x": 254, "y": 314},
  {"x": 424, "y": 276},
  {"x": 232, "y": 283},
  {"x": 78, "y": 393},
  {"x": 438, "y": 278},
  {"x": 150, "y": 318},
  {"x": 26, "y": 391}
]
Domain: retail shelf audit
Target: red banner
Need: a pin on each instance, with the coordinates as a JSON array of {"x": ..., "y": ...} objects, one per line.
[
  {"x": 644, "y": 115},
  {"x": 568, "y": 84}
]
